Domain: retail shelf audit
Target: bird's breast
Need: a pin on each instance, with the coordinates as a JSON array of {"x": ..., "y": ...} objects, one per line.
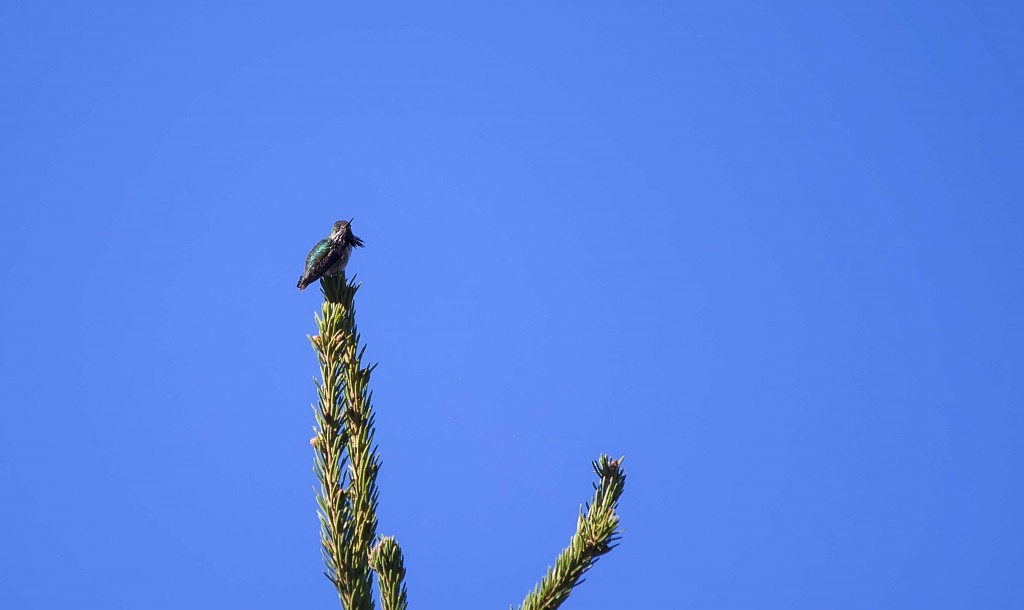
[{"x": 339, "y": 265}]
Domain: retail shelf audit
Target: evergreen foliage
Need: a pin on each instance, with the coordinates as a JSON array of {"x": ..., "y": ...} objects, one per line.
[
  {"x": 596, "y": 534},
  {"x": 346, "y": 461},
  {"x": 346, "y": 464},
  {"x": 386, "y": 560}
]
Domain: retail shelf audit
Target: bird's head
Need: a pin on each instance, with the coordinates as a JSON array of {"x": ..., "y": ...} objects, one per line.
[{"x": 342, "y": 231}]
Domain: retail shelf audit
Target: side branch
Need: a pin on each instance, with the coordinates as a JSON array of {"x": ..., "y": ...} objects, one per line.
[
  {"x": 596, "y": 534},
  {"x": 386, "y": 560}
]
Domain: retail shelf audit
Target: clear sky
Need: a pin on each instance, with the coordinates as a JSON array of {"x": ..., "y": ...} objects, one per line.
[{"x": 770, "y": 252}]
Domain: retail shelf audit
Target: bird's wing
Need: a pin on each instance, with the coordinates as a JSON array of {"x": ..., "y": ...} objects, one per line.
[
  {"x": 317, "y": 252},
  {"x": 320, "y": 259}
]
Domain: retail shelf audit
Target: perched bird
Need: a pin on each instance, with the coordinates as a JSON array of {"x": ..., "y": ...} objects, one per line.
[{"x": 329, "y": 256}]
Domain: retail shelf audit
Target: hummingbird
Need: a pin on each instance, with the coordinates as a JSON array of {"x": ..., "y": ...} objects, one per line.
[{"x": 330, "y": 255}]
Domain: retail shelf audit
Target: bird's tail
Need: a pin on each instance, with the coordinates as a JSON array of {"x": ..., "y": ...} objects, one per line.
[{"x": 302, "y": 284}]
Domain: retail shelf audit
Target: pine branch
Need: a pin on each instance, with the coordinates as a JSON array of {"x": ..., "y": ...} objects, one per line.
[
  {"x": 346, "y": 465},
  {"x": 346, "y": 462},
  {"x": 386, "y": 560},
  {"x": 329, "y": 462},
  {"x": 596, "y": 533}
]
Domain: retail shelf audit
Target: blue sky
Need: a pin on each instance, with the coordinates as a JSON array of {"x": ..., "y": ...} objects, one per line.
[{"x": 772, "y": 254}]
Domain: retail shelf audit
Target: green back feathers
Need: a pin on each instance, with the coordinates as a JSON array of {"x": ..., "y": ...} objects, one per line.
[{"x": 317, "y": 253}]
